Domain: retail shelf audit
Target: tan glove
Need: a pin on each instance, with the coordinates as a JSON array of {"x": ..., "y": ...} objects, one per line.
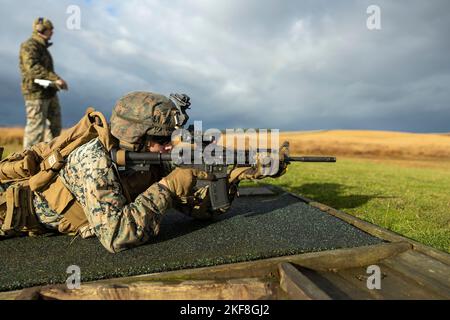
[
  {"x": 282, "y": 154},
  {"x": 181, "y": 181},
  {"x": 267, "y": 165}
]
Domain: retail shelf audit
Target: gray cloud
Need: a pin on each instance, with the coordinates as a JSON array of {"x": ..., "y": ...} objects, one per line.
[{"x": 293, "y": 65}]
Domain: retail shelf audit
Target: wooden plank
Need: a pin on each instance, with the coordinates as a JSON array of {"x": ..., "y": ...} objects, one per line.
[
  {"x": 297, "y": 285},
  {"x": 10, "y": 295},
  {"x": 349, "y": 284},
  {"x": 436, "y": 254},
  {"x": 424, "y": 271},
  {"x": 430, "y": 267},
  {"x": 338, "y": 287},
  {"x": 242, "y": 289},
  {"x": 354, "y": 257},
  {"x": 394, "y": 285}
]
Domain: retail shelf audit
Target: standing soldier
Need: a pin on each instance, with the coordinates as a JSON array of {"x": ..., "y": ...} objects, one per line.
[{"x": 42, "y": 104}]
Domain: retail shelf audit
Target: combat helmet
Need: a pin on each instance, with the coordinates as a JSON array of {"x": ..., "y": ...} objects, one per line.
[
  {"x": 42, "y": 24},
  {"x": 139, "y": 114}
]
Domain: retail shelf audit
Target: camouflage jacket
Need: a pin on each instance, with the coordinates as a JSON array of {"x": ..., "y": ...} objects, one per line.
[
  {"x": 35, "y": 62},
  {"x": 91, "y": 177}
]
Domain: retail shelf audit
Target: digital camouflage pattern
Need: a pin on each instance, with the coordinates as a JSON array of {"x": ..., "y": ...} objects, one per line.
[
  {"x": 36, "y": 62},
  {"x": 43, "y": 121},
  {"x": 91, "y": 177},
  {"x": 142, "y": 113}
]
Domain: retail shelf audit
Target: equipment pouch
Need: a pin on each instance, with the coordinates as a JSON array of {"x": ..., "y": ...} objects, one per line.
[
  {"x": 18, "y": 166},
  {"x": 74, "y": 220},
  {"x": 2, "y": 208},
  {"x": 61, "y": 200},
  {"x": 19, "y": 217}
]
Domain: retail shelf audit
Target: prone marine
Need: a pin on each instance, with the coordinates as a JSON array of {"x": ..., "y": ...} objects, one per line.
[{"x": 71, "y": 185}]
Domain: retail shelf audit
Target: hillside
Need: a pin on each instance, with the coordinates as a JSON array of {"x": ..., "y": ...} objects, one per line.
[
  {"x": 348, "y": 143},
  {"x": 372, "y": 144}
]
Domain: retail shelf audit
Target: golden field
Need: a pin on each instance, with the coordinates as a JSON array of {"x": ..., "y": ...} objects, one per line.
[
  {"x": 346, "y": 143},
  {"x": 367, "y": 144},
  {"x": 11, "y": 136},
  {"x": 371, "y": 144}
]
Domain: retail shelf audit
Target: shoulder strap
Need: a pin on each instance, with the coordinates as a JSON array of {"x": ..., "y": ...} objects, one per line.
[
  {"x": 104, "y": 134},
  {"x": 92, "y": 125}
]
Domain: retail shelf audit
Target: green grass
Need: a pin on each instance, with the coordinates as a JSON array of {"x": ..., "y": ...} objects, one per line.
[{"x": 412, "y": 199}]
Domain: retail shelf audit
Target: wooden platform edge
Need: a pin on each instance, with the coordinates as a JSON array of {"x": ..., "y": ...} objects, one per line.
[
  {"x": 297, "y": 285},
  {"x": 241, "y": 289},
  {"x": 264, "y": 268}
]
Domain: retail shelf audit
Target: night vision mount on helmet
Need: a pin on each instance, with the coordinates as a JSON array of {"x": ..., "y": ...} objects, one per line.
[{"x": 183, "y": 103}]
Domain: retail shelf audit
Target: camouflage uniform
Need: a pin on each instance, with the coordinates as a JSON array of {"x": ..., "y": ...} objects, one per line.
[
  {"x": 42, "y": 105},
  {"x": 122, "y": 219},
  {"x": 91, "y": 177}
]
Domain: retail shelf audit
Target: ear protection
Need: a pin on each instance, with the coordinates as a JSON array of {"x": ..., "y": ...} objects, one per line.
[{"x": 40, "y": 25}]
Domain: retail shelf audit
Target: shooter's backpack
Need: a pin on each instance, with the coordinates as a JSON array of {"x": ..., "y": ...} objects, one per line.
[{"x": 36, "y": 169}]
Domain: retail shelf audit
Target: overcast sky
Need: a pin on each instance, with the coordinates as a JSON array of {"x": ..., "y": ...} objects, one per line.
[{"x": 292, "y": 65}]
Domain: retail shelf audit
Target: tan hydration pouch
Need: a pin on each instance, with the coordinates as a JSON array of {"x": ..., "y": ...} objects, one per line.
[
  {"x": 17, "y": 214},
  {"x": 18, "y": 166}
]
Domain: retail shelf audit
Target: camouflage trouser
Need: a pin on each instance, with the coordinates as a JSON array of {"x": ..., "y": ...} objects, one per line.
[{"x": 43, "y": 121}]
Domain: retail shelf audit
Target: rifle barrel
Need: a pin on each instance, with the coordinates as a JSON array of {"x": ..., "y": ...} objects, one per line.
[
  {"x": 312, "y": 159},
  {"x": 152, "y": 157},
  {"x": 157, "y": 158}
]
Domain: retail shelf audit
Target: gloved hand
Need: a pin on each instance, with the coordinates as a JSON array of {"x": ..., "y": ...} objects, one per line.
[
  {"x": 181, "y": 181},
  {"x": 267, "y": 165},
  {"x": 283, "y": 153},
  {"x": 198, "y": 206}
]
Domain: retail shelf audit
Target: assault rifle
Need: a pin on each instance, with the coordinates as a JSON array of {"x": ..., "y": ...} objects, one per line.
[{"x": 216, "y": 166}]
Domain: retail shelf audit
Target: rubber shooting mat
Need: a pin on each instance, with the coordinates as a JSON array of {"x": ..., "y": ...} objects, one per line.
[{"x": 256, "y": 227}]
